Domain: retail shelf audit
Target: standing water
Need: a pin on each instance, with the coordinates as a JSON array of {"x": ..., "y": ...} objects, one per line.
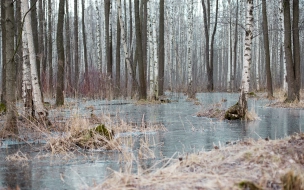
[{"x": 186, "y": 134}]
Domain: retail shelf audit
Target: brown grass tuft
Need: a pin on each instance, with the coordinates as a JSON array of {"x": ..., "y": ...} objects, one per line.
[{"x": 18, "y": 156}]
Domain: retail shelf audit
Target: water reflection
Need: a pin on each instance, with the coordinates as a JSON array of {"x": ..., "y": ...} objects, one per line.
[{"x": 186, "y": 134}]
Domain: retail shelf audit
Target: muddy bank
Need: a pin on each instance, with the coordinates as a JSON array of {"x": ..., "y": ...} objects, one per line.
[{"x": 261, "y": 164}]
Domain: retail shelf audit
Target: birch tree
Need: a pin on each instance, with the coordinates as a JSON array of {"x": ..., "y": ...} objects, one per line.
[
  {"x": 26, "y": 77},
  {"x": 36, "y": 91},
  {"x": 191, "y": 92},
  {"x": 99, "y": 52},
  {"x": 239, "y": 111},
  {"x": 124, "y": 41},
  {"x": 152, "y": 44}
]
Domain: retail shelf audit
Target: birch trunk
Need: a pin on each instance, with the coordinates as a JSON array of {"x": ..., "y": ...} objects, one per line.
[
  {"x": 247, "y": 60},
  {"x": 152, "y": 52},
  {"x": 99, "y": 62},
  {"x": 191, "y": 93},
  {"x": 239, "y": 111},
  {"x": 37, "y": 99},
  {"x": 123, "y": 38},
  {"x": 26, "y": 78}
]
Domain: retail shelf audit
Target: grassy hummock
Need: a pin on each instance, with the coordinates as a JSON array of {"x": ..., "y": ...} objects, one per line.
[{"x": 250, "y": 164}]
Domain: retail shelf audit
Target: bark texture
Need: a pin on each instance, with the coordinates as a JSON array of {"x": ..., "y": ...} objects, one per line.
[
  {"x": 240, "y": 109},
  {"x": 142, "y": 80},
  {"x": 36, "y": 94},
  {"x": 266, "y": 50},
  {"x": 292, "y": 55},
  {"x": 161, "y": 48},
  {"x": 61, "y": 58},
  {"x": 11, "y": 118}
]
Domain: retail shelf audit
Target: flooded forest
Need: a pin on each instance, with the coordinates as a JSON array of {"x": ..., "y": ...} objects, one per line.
[{"x": 152, "y": 94}]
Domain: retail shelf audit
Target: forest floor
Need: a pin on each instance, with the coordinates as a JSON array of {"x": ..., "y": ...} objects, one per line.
[{"x": 249, "y": 164}]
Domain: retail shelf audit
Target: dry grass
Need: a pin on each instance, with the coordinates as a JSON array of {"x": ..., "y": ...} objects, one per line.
[
  {"x": 18, "y": 156},
  {"x": 250, "y": 164},
  {"x": 280, "y": 96},
  {"x": 81, "y": 133}
]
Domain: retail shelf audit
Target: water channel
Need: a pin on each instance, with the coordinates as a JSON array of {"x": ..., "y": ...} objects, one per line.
[{"x": 186, "y": 134}]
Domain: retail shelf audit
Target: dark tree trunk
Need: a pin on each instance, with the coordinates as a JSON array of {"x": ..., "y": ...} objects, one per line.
[
  {"x": 291, "y": 95},
  {"x": 40, "y": 53},
  {"x": 108, "y": 36},
  {"x": 134, "y": 88},
  {"x": 126, "y": 65},
  {"x": 11, "y": 118},
  {"x": 61, "y": 59},
  {"x": 296, "y": 48},
  {"x": 207, "y": 27},
  {"x": 68, "y": 49},
  {"x": 3, "y": 30},
  {"x": 117, "y": 78},
  {"x": 235, "y": 47},
  {"x": 50, "y": 47},
  {"x": 76, "y": 59},
  {"x": 161, "y": 48},
  {"x": 142, "y": 80},
  {"x": 144, "y": 26},
  {"x": 266, "y": 49},
  {"x": 44, "y": 64},
  {"x": 19, "y": 50},
  {"x": 86, "y": 66},
  {"x": 209, "y": 47}
]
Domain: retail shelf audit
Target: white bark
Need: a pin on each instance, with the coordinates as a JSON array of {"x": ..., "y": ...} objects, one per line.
[
  {"x": 37, "y": 99},
  {"x": 123, "y": 37},
  {"x": 155, "y": 57},
  {"x": 189, "y": 39},
  {"x": 247, "y": 48},
  {"x": 98, "y": 39},
  {"x": 26, "y": 75}
]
